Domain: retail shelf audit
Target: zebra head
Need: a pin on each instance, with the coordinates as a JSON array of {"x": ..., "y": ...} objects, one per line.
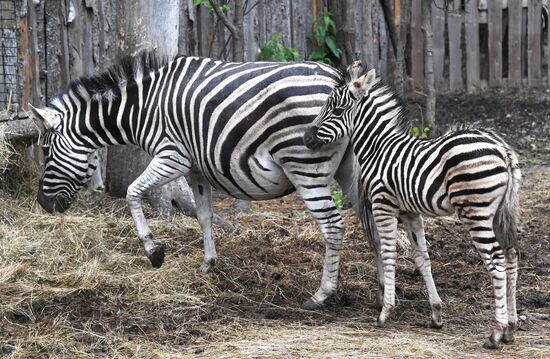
[
  {"x": 335, "y": 118},
  {"x": 66, "y": 166}
]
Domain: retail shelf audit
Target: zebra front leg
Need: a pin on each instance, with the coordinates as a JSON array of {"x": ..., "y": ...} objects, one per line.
[
  {"x": 154, "y": 175},
  {"x": 386, "y": 224},
  {"x": 511, "y": 277},
  {"x": 321, "y": 206},
  {"x": 202, "y": 192},
  {"x": 415, "y": 230},
  {"x": 493, "y": 257}
]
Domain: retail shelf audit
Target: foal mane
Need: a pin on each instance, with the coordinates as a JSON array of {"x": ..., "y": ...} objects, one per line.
[{"x": 401, "y": 123}]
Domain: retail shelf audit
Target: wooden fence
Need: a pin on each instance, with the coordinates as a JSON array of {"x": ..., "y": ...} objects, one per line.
[
  {"x": 58, "y": 41},
  {"x": 495, "y": 43}
]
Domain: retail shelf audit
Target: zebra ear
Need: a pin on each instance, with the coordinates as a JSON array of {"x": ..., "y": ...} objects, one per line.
[
  {"x": 360, "y": 86},
  {"x": 45, "y": 120},
  {"x": 354, "y": 69}
]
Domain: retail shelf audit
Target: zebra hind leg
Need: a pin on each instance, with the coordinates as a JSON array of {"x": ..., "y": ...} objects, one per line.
[
  {"x": 494, "y": 259},
  {"x": 318, "y": 200},
  {"x": 415, "y": 231},
  {"x": 202, "y": 192},
  {"x": 511, "y": 276}
]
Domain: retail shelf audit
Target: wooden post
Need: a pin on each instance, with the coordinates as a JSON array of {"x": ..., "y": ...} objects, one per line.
[
  {"x": 494, "y": 19},
  {"x": 438, "y": 26},
  {"x": 417, "y": 45},
  {"x": 455, "y": 49},
  {"x": 472, "y": 46},
  {"x": 428, "y": 62},
  {"x": 514, "y": 43},
  {"x": 534, "y": 43}
]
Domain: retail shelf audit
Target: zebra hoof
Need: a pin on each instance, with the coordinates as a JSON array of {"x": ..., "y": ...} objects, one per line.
[
  {"x": 207, "y": 266},
  {"x": 157, "y": 256},
  {"x": 491, "y": 343},
  {"x": 311, "y": 304},
  {"x": 436, "y": 325},
  {"x": 508, "y": 336},
  {"x": 379, "y": 323}
]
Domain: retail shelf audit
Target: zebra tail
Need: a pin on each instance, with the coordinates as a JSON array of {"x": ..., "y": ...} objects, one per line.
[
  {"x": 506, "y": 221},
  {"x": 364, "y": 210}
]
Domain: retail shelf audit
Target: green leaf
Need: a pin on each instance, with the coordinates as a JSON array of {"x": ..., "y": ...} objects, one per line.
[
  {"x": 331, "y": 43},
  {"x": 197, "y": 2},
  {"x": 415, "y": 131}
]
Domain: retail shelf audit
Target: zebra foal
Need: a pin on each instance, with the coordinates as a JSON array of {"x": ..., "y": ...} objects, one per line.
[{"x": 471, "y": 172}]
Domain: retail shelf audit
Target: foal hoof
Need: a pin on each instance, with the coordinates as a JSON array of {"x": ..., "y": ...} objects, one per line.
[
  {"x": 311, "y": 304},
  {"x": 157, "y": 256},
  {"x": 207, "y": 266},
  {"x": 436, "y": 325},
  {"x": 491, "y": 344}
]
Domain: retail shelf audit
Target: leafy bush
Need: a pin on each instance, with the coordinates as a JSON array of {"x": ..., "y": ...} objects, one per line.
[
  {"x": 325, "y": 36},
  {"x": 274, "y": 50}
]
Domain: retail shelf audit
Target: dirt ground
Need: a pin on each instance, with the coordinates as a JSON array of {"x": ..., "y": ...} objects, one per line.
[{"x": 78, "y": 285}]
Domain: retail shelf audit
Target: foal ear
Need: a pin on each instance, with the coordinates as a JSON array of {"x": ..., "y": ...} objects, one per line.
[
  {"x": 45, "y": 120},
  {"x": 360, "y": 86},
  {"x": 354, "y": 70}
]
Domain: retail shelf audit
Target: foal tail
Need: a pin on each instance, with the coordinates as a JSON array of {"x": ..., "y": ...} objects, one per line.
[{"x": 505, "y": 223}]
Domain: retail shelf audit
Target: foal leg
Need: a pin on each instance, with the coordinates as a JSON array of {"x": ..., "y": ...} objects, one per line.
[
  {"x": 386, "y": 224},
  {"x": 511, "y": 276},
  {"x": 493, "y": 257},
  {"x": 415, "y": 230},
  {"x": 202, "y": 192}
]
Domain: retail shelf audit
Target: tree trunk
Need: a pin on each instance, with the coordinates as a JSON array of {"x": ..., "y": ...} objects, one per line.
[
  {"x": 428, "y": 62},
  {"x": 143, "y": 25},
  {"x": 405, "y": 18}
]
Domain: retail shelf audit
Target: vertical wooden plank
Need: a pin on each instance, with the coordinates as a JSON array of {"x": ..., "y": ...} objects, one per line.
[
  {"x": 548, "y": 52},
  {"x": 383, "y": 45},
  {"x": 494, "y": 20},
  {"x": 417, "y": 45},
  {"x": 534, "y": 43},
  {"x": 455, "y": 48},
  {"x": 26, "y": 60},
  {"x": 376, "y": 36},
  {"x": 438, "y": 27},
  {"x": 514, "y": 43},
  {"x": 299, "y": 28},
  {"x": 367, "y": 45},
  {"x": 472, "y": 46}
]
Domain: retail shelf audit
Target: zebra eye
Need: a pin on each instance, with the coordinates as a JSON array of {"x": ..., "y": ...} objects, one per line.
[{"x": 338, "y": 111}]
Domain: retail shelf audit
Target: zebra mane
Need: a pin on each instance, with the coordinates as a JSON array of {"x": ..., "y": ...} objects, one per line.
[{"x": 126, "y": 69}]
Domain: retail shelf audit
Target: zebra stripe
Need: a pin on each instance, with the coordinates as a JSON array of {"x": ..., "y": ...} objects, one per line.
[
  {"x": 472, "y": 172},
  {"x": 236, "y": 126}
]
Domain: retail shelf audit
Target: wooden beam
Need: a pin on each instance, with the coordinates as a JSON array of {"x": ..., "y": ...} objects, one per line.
[
  {"x": 472, "y": 46},
  {"x": 455, "y": 48},
  {"x": 534, "y": 43},
  {"x": 494, "y": 16},
  {"x": 514, "y": 43}
]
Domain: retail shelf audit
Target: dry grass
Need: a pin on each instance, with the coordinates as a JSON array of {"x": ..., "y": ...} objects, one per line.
[
  {"x": 78, "y": 285},
  {"x": 6, "y": 151}
]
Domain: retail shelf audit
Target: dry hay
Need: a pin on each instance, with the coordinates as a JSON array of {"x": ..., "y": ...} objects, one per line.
[
  {"x": 6, "y": 151},
  {"x": 78, "y": 285}
]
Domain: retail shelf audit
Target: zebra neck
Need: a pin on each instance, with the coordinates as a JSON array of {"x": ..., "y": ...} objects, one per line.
[{"x": 376, "y": 126}]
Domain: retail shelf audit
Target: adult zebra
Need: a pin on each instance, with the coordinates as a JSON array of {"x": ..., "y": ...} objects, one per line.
[
  {"x": 236, "y": 126},
  {"x": 472, "y": 172}
]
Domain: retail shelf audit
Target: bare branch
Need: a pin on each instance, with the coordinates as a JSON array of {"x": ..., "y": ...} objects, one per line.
[{"x": 226, "y": 22}]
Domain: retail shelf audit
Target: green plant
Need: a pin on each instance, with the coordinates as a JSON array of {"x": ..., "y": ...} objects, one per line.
[
  {"x": 207, "y": 4},
  {"x": 274, "y": 50},
  {"x": 338, "y": 199},
  {"x": 425, "y": 132},
  {"x": 326, "y": 49}
]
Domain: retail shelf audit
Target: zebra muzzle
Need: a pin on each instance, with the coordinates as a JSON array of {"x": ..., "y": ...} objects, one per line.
[
  {"x": 52, "y": 204},
  {"x": 310, "y": 138}
]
